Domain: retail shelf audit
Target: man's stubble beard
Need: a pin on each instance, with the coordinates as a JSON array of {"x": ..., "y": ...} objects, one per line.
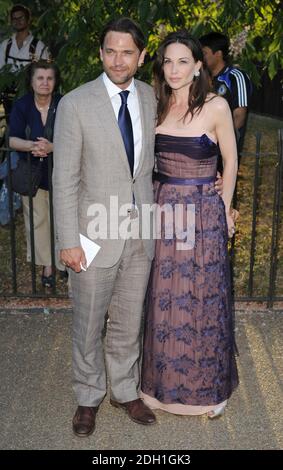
[{"x": 119, "y": 81}]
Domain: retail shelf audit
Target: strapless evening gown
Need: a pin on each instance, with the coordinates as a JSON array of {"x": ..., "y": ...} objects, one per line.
[{"x": 189, "y": 349}]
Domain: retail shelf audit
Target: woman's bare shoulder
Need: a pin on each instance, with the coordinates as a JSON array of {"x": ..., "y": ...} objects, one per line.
[{"x": 216, "y": 102}]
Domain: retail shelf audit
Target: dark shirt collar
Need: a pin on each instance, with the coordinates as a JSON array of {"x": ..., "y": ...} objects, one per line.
[{"x": 225, "y": 68}]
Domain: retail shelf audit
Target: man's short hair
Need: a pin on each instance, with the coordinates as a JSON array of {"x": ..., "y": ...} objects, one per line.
[
  {"x": 216, "y": 42},
  {"x": 19, "y": 7},
  {"x": 124, "y": 25}
]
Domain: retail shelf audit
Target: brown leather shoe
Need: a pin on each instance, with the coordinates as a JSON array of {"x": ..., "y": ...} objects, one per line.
[
  {"x": 137, "y": 411},
  {"x": 84, "y": 420}
]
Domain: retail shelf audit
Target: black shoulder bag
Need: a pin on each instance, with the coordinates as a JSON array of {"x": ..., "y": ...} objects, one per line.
[{"x": 26, "y": 177}]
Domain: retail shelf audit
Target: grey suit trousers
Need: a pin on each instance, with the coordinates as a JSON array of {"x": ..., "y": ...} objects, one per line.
[{"x": 120, "y": 290}]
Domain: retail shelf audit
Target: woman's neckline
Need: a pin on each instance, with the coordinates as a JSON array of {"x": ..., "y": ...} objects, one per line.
[
  {"x": 42, "y": 108},
  {"x": 172, "y": 133}
]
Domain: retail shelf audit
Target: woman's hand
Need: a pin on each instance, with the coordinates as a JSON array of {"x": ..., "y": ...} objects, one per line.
[
  {"x": 231, "y": 217},
  {"x": 42, "y": 147},
  {"x": 234, "y": 214},
  {"x": 219, "y": 184}
]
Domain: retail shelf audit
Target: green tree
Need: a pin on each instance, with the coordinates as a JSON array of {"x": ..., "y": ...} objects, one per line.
[{"x": 71, "y": 29}]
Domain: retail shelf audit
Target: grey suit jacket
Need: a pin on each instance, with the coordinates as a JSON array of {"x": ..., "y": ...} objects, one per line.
[{"x": 91, "y": 167}]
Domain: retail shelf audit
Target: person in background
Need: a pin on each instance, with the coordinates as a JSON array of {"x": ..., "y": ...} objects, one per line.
[
  {"x": 32, "y": 111},
  {"x": 228, "y": 81},
  {"x": 20, "y": 49},
  {"x": 188, "y": 363}
]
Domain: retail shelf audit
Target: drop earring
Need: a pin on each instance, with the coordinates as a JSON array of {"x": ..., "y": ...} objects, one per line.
[{"x": 197, "y": 73}]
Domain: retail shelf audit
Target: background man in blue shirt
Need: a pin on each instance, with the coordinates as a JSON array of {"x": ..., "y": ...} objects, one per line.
[{"x": 228, "y": 81}]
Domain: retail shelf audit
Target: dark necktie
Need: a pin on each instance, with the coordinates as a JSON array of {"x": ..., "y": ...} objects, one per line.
[{"x": 125, "y": 124}]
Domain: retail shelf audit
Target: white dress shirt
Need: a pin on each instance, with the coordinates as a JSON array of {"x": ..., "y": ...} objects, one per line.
[
  {"x": 134, "y": 110},
  {"x": 22, "y": 53}
]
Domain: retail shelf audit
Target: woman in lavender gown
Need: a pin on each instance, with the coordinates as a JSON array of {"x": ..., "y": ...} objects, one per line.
[{"x": 188, "y": 361}]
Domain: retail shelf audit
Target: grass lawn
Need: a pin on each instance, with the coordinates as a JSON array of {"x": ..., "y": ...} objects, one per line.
[{"x": 269, "y": 129}]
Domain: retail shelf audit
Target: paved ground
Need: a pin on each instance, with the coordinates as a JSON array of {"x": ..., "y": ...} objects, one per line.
[{"x": 37, "y": 404}]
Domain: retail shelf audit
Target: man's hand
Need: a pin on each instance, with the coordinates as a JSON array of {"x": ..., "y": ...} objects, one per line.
[
  {"x": 219, "y": 184},
  {"x": 73, "y": 258}
]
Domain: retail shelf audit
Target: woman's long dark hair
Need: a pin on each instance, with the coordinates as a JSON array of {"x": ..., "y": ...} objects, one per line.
[{"x": 200, "y": 86}]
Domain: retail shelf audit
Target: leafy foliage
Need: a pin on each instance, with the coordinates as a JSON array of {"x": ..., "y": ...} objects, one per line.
[{"x": 72, "y": 28}]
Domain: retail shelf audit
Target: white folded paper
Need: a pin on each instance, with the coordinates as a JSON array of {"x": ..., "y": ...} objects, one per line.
[{"x": 90, "y": 248}]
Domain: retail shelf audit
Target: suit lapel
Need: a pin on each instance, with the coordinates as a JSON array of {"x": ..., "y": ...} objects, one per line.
[
  {"x": 103, "y": 107},
  {"x": 143, "y": 105}
]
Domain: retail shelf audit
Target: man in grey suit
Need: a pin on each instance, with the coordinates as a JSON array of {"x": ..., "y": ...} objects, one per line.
[{"x": 104, "y": 157}]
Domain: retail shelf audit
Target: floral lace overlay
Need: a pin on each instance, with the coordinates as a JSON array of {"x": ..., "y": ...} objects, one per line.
[{"x": 189, "y": 342}]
